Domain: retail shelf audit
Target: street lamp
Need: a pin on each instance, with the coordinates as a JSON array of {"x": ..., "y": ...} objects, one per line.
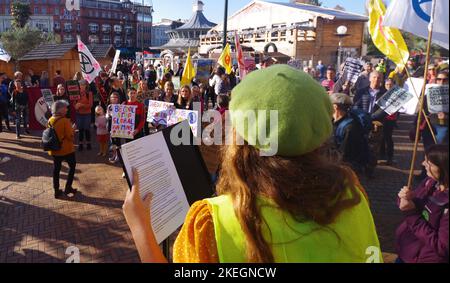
[
  {"x": 341, "y": 32},
  {"x": 225, "y": 23}
]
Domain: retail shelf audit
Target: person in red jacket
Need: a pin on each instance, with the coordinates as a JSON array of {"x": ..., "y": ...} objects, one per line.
[{"x": 140, "y": 113}]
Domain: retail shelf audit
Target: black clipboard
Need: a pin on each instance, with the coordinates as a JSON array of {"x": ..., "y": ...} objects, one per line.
[{"x": 190, "y": 166}]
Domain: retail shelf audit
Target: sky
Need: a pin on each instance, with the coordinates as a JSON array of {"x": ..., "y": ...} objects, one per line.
[{"x": 214, "y": 9}]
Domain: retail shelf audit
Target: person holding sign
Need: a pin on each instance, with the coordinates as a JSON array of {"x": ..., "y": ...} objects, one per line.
[
  {"x": 140, "y": 113},
  {"x": 423, "y": 235},
  {"x": 169, "y": 93},
  {"x": 294, "y": 206},
  {"x": 83, "y": 108},
  {"x": 441, "y": 123},
  {"x": 366, "y": 98},
  {"x": 389, "y": 124}
]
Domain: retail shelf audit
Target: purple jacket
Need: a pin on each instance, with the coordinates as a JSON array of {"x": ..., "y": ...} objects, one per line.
[{"x": 423, "y": 235}]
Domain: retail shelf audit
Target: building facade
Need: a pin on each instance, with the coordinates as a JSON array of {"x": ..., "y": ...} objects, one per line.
[
  {"x": 301, "y": 31},
  {"x": 118, "y": 22},
  {"x": 160, "y": 31}
]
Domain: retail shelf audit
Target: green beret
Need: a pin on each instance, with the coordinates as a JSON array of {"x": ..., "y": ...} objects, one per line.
[{"x": 304, "y": 110}]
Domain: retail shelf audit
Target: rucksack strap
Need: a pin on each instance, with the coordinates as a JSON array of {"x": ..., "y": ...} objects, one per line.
[{"x": 53, "y": 127}]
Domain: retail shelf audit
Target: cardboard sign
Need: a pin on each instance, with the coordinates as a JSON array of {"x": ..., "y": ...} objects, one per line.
[
  {"x": 123, "y": 121},
  {"x": 176, "y": 115},
  {"x": 176, "y": 83},
  {"x": 437, "y": 98},
  {"x": 48, "y": 97},
  {"x": 203, "y": 67},
  {"x": 73, "y": 89},
  {"x": 352, "y": 69},
  {"x": 158, "y": 112},
  {"x": 394, "y": 99},
  {"x": 115, "y": 62}
]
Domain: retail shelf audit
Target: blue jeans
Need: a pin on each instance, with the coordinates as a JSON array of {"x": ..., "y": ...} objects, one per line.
[
  {"x": 441, "y": 134},
  {"x": 21, "y": 115}
]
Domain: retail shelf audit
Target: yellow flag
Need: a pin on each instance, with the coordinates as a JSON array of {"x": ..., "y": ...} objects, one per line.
[
  {"x": 225, "y": 59},
  {"x": 388, "y": 40},
  {"x": 188, "y": 72}
]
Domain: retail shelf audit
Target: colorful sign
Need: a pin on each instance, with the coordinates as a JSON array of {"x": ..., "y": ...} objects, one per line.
[
  {"x": 176, "y": 116},
  {"x": 158, "y": 112},
  {"x": 204, "y": 69},
  {"x": 123, "y": 121},
  {"x": 73, "y": 89},
  {"x": 394, "y": 100},
  {"x": 437, "y": 98}
]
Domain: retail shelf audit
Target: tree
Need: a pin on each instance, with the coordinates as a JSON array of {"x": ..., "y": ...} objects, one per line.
[
  {"x": 21, "y": 13},
  {"x": 19, "y": 41}
]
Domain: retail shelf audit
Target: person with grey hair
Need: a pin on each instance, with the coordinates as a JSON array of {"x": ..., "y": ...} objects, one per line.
[
  {"x": 366, "y": 98},
  {"x": 65, "y": 133}
]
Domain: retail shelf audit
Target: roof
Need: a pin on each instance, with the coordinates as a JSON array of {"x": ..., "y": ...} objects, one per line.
[
  {"x": 335, "y": 14},
  {"x": 100, "y": 50},
  {"x": 55, "y": 51},
  {"x": 182, "y": 43},
  {"x": 197, "y": 21},
  {"x": 48, "y": 51}
]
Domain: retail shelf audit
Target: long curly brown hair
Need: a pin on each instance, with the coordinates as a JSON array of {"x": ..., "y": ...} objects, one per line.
[{"x": 309, "y": 187}]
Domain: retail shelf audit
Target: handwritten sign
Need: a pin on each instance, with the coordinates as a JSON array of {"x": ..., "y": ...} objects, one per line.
[
  {"x": 414, "y": 86},
  {"x": 123, "y": 121},
  {"x": 176, "y": 82},
  {"x": 48, "y": 97},
  {"x": 176, "y": 115},
  {"x": 394, "y": 99},
  {"x": 437, "y": 98},
  {"x": 158, "y": 112},
  {"x": 73, "y": 89},
  {"x": 352, "y": 69}
]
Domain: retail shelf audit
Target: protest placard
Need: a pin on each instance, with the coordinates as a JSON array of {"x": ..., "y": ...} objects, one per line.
[
  {"x": 73, "y": 90},
  {"x": 175, "y": 116},
  {"x": 157, "y": 112},
  {"x": 437, "y": 98},
  {"x": 413, "y": 86},
  {"x": 48, "y": 97},
  {"x": 123, "y": 121},
  {"x": 394, "y": 99},
  {"x": 249, "y": 65},
  {"x": 176, "y": 82},
  {"x": 352, "y": 69},
  {"x": 204, "y": 69}
]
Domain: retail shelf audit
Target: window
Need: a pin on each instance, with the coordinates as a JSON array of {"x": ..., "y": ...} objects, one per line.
[
  {"x": 78, "y": 27},
  {"x": 106, "y": 40},
  {"x": 57, "y": 26},
  {"x": 68, "y": 27},
  {"x": 7, "y": 9},
  {"x": 68, "y": 38},
  {"x": 117, "y": 28},
  {"x": 117, "y": 40},
  {"x": 93, "y": 27},
  {"x": 90, "y": 13},
  {"x": 106, "y": 28},
  {"x": 56, "y": 11},
  {"x": 44, "y": 11},
  {"x": 36, "y": 10}
]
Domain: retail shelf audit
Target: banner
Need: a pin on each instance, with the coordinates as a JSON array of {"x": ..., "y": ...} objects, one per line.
[
  {"x": 73, "y": 90},
  {"x": 115, "y": 62},
  {"x": 394, "y": 99},
  {"x": 89, "y": 66},
  {"x": 158, "y": 112},
  {"x": 48, "y": 97},
  {"x": 239, "y": 56},
  {"x": 437, "y": 98},
  {"x": 225, "y": 59},
  {"x": 414, "y": 16},
  {"x": 204, "y": 69},
  {"x": 123, "y": 121},
  {"x": 176, "y": 115},
  {"x": 352, "y": 69},
  {"x": 188, "y": 71}
]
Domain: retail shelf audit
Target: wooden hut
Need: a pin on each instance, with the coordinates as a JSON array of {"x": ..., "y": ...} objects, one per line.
[{"x": 63, "y": 57}]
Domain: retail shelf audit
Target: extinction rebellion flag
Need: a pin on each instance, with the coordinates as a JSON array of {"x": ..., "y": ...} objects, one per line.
[{"x": 89, "y": 66}]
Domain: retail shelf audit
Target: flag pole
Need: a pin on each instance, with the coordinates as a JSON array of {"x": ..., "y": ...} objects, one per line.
[{"x": 422, "y": 97}]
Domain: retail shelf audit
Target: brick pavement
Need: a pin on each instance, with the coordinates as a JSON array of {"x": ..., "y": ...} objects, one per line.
[{"x": 34, "y": 227}]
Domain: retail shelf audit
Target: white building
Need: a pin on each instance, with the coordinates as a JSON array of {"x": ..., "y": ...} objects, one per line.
[
  {"x": 42, "y": 22},
  {"x": 159, "y": 32}
]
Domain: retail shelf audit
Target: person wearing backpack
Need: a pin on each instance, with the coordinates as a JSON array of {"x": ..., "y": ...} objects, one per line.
[
  {"x": 65, "y": 134},
  {"x": 350, "y": 135}
]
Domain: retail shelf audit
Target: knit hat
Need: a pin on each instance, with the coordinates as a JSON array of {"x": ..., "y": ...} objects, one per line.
[{"x": 304, "y": 110}]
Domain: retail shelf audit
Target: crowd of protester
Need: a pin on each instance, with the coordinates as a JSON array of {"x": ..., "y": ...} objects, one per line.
[{"x": 330, "y": 193}]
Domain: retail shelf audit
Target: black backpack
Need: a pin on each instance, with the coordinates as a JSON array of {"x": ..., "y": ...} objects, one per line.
[{"x": 50, "y": 140}]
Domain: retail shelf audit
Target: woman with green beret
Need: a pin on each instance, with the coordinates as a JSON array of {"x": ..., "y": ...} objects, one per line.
[{"x": 279, "y": 199}]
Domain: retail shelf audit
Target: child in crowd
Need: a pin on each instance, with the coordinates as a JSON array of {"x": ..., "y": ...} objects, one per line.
[
  {"x": 115, "y": 142},
  {"x": 102, "y": 130}
]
